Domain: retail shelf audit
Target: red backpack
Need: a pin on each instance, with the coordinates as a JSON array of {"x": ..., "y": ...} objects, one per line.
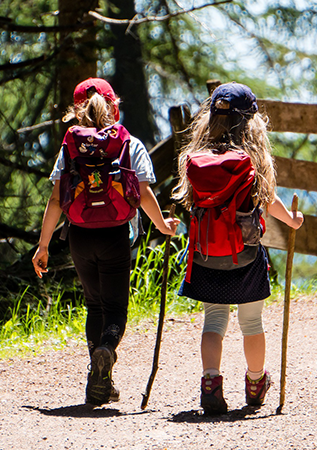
[
  {"x": 223, "y": 217},
  {"x": 98, "y": 188}
]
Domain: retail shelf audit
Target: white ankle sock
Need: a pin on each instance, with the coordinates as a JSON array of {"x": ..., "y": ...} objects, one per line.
[
  {"x": 255, "y": 375},
  {"x": 211, "y": 372}
]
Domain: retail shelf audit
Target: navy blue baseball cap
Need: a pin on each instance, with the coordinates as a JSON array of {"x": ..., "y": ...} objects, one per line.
[{"x": 239, "y": 96}]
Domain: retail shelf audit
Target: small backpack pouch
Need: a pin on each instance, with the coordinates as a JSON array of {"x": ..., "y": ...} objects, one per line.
[
  {"x": 130, "y": 185},
  {"x": 136, "y": 228},
  {"x": 250, "y": 225}
]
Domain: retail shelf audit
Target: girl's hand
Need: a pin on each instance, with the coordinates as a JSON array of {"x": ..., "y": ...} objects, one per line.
[
  {"x": 297, "y": 219},
  {"x": 278, "y": 210},
  {"x": 40, "y": 260},
  {"x": 171, "y": 225}
]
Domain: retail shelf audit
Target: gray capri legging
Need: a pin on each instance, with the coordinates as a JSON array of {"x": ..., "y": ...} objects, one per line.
[{"x": 249, "y": 317}]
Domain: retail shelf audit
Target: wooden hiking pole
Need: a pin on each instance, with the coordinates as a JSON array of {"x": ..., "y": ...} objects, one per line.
[
  {"x": 287, "y": 295},
  {"x": 161, "y": 317}
]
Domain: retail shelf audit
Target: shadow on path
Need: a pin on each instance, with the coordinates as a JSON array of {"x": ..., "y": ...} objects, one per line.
[
  {"x": 197, "y": 416},
  {"x": 84, "y": 410}
]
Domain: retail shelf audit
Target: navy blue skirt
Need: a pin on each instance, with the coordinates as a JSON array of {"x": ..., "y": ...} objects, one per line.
[{"x": 243, "y": 285}]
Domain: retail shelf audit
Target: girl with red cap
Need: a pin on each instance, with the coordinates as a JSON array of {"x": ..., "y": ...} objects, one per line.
[
  {"x": 102, "y": 256},
  {"x": 229, "y": 121}
]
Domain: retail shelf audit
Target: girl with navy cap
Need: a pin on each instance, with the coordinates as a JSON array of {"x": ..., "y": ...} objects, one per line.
[
  {"x": 102, "y": 256},
  {"x": 230, "y": 121}
]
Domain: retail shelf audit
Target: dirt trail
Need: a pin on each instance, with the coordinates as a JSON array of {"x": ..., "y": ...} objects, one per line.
[{"x": 42, "y": 399}]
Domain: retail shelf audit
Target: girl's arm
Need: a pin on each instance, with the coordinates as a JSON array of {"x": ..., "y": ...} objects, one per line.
[
  {"x": 50, "y": 220},
  {"x": 278, "y": 210},
  {"x": 152, "y": 209}
]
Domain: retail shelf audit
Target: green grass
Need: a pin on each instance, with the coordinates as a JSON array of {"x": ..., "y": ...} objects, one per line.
[
  {"x": 29, "y": 331},
  {"x": 146, "y": 280}
]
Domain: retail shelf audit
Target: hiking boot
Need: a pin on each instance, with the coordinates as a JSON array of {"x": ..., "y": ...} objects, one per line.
[
  {"x": 100, "y": 388},
  {"x": 255, "y": 390},
  {"x": 211, "y": 399}
]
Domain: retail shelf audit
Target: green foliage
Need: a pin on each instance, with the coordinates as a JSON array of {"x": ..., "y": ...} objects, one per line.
[
  {"x": 30, "y": 331},
  {"x": 304, "y": 272},
  {"x": 179, "y": 61},
  {"x": 293, "y": 145},
  {"x": 280, "y": 36},
  {"x": 22, "y": 12},
  {"x": 27, "y": 99}
]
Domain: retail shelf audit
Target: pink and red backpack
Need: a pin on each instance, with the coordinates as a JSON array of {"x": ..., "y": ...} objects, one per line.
[{"x": 98, "y": 188}]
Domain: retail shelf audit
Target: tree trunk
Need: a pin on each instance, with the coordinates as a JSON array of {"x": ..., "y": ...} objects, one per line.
[
  {"x": 77, "y": 59},
  {"x": 129, "y": 81}
]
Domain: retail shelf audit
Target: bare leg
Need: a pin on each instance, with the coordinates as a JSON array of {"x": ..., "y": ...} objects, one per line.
[
  {"x": 257, "y": 383},
  {"x": 211, "y": 350},
  {"x": 254, "y": 350}
]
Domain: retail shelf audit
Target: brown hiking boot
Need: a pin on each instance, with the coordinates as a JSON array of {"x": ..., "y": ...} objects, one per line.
[
  {"x": 255, "y": 390},
  {"x": 211, "y": 399},
  {"x": 100, "y": 388}
]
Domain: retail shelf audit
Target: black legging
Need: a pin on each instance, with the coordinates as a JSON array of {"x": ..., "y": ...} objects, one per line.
[{"x": 102, "y": 258}]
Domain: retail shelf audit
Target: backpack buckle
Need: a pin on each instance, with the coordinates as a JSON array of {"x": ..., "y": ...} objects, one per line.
[{"x": 116, "y": 171}]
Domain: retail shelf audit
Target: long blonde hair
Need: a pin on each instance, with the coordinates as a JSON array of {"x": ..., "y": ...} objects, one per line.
[
  {"x": 235, "y": 132},
  {"x": 95, "y": 112}
]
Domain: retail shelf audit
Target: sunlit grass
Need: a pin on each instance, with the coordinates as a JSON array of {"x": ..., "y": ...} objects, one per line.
[
  {"x": 29, "y": 330},
  {"x": 146, "y": 282}
]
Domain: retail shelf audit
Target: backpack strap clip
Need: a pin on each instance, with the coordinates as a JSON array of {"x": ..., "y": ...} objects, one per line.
[
  {"x": 76, "y": 176},
  {"x": 116, "y": 171},
  {"x": 64, "y": 230}
]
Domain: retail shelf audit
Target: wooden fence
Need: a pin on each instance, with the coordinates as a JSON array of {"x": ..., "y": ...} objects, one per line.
[{"x": 291, "y": 173}]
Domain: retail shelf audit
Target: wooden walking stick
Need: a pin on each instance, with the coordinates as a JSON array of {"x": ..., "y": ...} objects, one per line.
[
  {"x": 287, "y": 294},
  {"x": 161, "y": 317}
]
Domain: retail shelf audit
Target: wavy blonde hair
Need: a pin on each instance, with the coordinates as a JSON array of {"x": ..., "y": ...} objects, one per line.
[
  {"x": 95, "y": 112},
  {"x": 235, "y": 132}
]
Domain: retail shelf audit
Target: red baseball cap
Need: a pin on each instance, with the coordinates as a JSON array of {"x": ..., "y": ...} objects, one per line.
[{"x": 102, "y": 87}]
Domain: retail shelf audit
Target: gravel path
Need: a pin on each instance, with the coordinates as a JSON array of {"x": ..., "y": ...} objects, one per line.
[{"x": 42, "y": 398}]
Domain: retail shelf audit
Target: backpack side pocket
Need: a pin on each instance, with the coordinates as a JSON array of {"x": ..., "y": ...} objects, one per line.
[{"x": 250, "y": 225}]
